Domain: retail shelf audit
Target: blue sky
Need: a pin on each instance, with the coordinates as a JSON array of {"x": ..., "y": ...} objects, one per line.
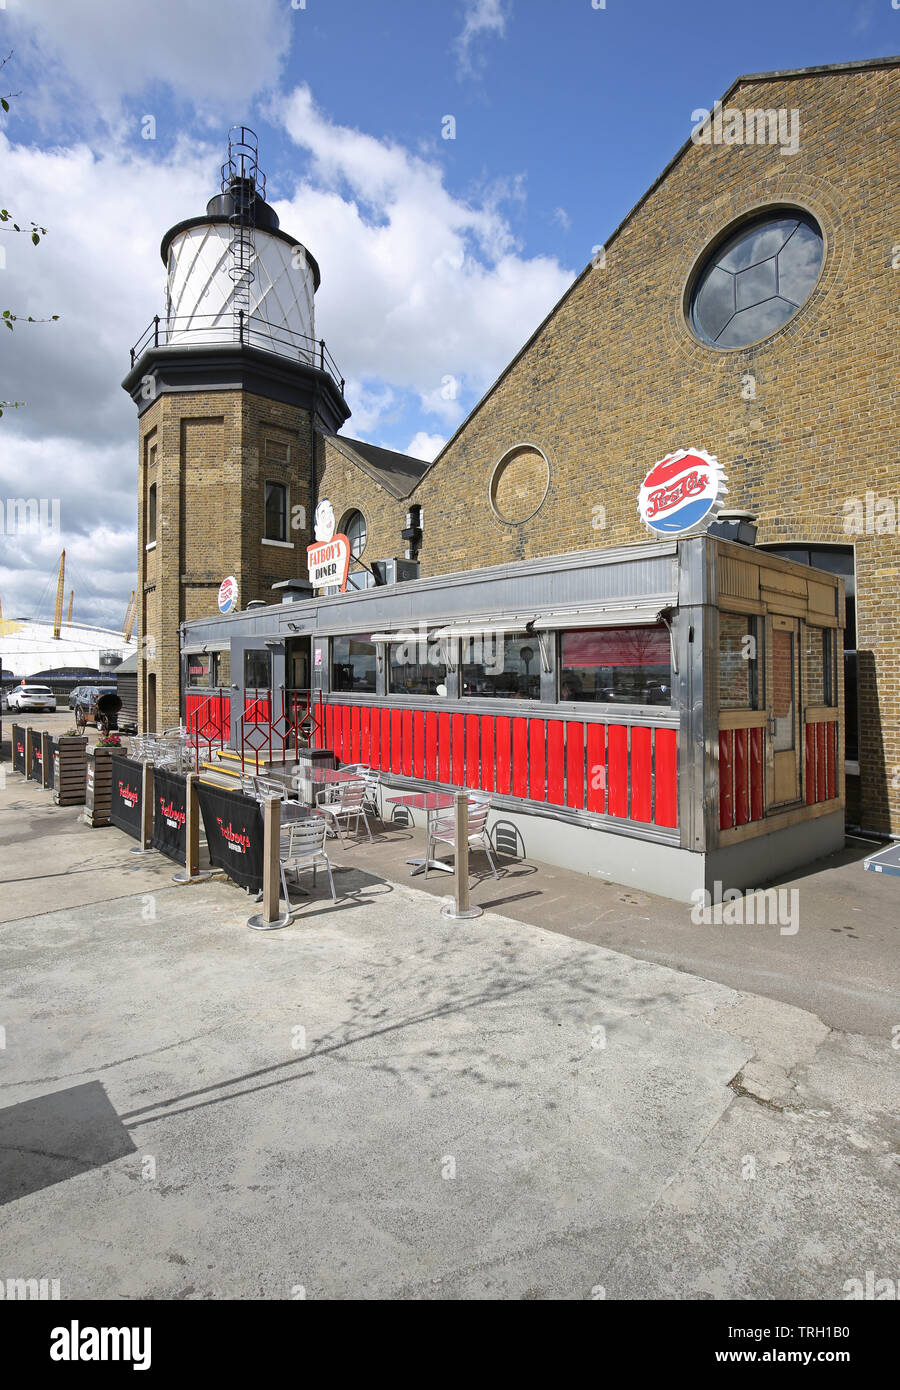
[{"x": 439, "y": 257}]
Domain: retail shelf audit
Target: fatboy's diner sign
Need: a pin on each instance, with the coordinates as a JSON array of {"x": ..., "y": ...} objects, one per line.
[
  {"x": 682, "y": 494},
  {"x": 329, "y": 563}
]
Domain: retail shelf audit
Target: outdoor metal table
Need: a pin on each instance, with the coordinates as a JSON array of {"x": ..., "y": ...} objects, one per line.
[
  {"x": 429, "y": 802},
  {"x": 304, "y": 778}
]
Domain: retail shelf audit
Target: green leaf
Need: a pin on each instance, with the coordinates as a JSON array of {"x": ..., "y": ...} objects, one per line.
[
  {"x": 4, "y": 103},
  {"x": 35, "y": 238}
]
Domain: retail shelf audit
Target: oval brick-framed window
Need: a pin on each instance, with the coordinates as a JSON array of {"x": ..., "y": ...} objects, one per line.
[{"x": 519, "y": 484}]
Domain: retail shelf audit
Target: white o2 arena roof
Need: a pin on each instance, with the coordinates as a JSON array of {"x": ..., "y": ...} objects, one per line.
[{"x": 27, "y": 647}]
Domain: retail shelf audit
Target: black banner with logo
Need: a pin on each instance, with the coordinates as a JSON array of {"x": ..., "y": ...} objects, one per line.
[
  {"x": 37, "y": 760},
  {"x": 18, "y": 748},
  {"x": 127, "y": 784},
  {"x": 170, "y": 815},
  {"x": 234, "y": 834}
]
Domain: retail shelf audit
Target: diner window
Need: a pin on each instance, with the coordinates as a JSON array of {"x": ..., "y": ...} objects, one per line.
[
  {"x": 199, "y": 668},
  {"x": 738, "y": 661},
  {"x": 353, "y": 664},
  {"x": 257, "y": 665},
  {"x": 276, "y": 512},
  {"x": 222, "y": 669},
  {"x": 818, "y": 652},
  {"x": 617, "y": 665},
  {"x": 502, "y": 666},
  {"x": 417, "y": 668}
]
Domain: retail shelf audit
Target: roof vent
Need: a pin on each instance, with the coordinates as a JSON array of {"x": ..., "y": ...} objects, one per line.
[{"x": 735, "y": 526}]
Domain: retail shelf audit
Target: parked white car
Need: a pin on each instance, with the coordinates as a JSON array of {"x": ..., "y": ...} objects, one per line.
[{"x": 32, "y": 697}]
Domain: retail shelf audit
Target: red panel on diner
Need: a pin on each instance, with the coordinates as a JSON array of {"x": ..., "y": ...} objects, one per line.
[
  {"x": 741, "y": 778},
  {"x": 504, "y": 754},
  {"x": 537, "y": 784},
  {"x": 385, "y": 739},
  {"x": 487, "y": 752},
  {"x": 726, "y": 777},
  {"x": 257, "y": 709},
  {"x": 617, "y": 770},
  {"x": 431, "y": 738},
  {"x": 520, "y": 757},
  {"x": 556, "y": 762},
  {"x": 809, "y": 759},
  {"x": 596, "y": 767},
  {"x": 473, "y": 768},
  {"x": 364, "y": 736},
  {"x": 444, "y": 748},
  {"x": 641, "y": 773},
  {"x": 821, "y": 730},
  {"x": 375, "y": 738},
  {"x": 419, "y": 743},
  {"x": 665, "y": 776},
  {"x": 458, "y": 722},
  {"x": 355, "y": 739},
  {"x": 406, "y": 760},
  {"x": 831, "y": 760},
  {"x": 396, "y": 735},
  {"x": 575, "y": 765},
  {"x": 347, "y": 735},
  {"x": 756, "y": 775}
]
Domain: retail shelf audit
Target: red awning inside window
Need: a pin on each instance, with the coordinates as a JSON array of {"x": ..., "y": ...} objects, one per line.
[{"x": 616, "y": 646}]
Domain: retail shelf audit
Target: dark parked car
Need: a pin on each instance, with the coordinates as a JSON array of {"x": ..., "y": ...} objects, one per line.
[{"x": 83, "y": 695}]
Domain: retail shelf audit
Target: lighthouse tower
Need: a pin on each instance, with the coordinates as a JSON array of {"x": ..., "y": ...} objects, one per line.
[{"x": 231, "y": 386}]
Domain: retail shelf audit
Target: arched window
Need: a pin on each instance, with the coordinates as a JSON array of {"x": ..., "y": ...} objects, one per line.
[{"x": 353, "y": 527}]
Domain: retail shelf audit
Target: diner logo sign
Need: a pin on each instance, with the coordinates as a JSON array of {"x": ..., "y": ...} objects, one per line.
[
  {"x": 682, "y": 494},
  {"x": 329, "y": 563}
]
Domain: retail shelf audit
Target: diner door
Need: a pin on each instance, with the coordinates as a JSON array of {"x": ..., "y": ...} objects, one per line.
[
  {"x": 256, "y": 671},
  {"x": 784, "y": 710}
]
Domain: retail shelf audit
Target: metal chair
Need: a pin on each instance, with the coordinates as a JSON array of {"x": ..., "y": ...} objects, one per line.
[
  {"x": 372, "y": 778},
  {"x": 344, "y": 802},
  {"x": 444, "y": 831},
  {"x": 305, "y": 850},
  {"x": 263, "y": 787}
]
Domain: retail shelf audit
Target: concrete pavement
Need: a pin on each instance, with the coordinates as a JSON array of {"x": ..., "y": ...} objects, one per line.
[{"x": 375, "y": 1102}]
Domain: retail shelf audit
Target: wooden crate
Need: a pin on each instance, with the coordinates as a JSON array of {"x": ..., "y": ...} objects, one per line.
[{"x": 70, "y": 770}]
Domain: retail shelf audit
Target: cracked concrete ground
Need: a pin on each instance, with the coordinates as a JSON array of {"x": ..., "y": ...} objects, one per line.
[{"x": 376, "y": 1102}]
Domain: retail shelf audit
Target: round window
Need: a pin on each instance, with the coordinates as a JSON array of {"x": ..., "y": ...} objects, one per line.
[
  {"x": 519, "y": 484},
  {"x": 353, "y": 527},
  {"x": 757, "y": 279}
]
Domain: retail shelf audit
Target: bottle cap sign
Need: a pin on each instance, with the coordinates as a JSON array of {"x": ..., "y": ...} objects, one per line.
[
  {"x": 682, "y": 494},
  {"x": 228, "y": 594}
]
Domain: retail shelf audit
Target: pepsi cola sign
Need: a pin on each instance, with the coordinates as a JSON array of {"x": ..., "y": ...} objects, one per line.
[
  {"x": 228, "y": 594},
  {"x": 682, "y": 494}
]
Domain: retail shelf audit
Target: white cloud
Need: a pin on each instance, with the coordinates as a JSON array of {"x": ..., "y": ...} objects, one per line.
[
  {"x": 115, "y": 52},
  {"x": 418, "y": 285},
  {"x": 562, "y": 219},
  {"x": 425, "y": 446},
  {"x": 481, "y": 17}
]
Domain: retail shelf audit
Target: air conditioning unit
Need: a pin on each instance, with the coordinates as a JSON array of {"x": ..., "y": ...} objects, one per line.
[{"x": 396, "y": 571}]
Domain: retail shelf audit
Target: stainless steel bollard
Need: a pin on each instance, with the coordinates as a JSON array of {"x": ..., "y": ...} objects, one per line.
[{"x": 459, "y": 907}]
